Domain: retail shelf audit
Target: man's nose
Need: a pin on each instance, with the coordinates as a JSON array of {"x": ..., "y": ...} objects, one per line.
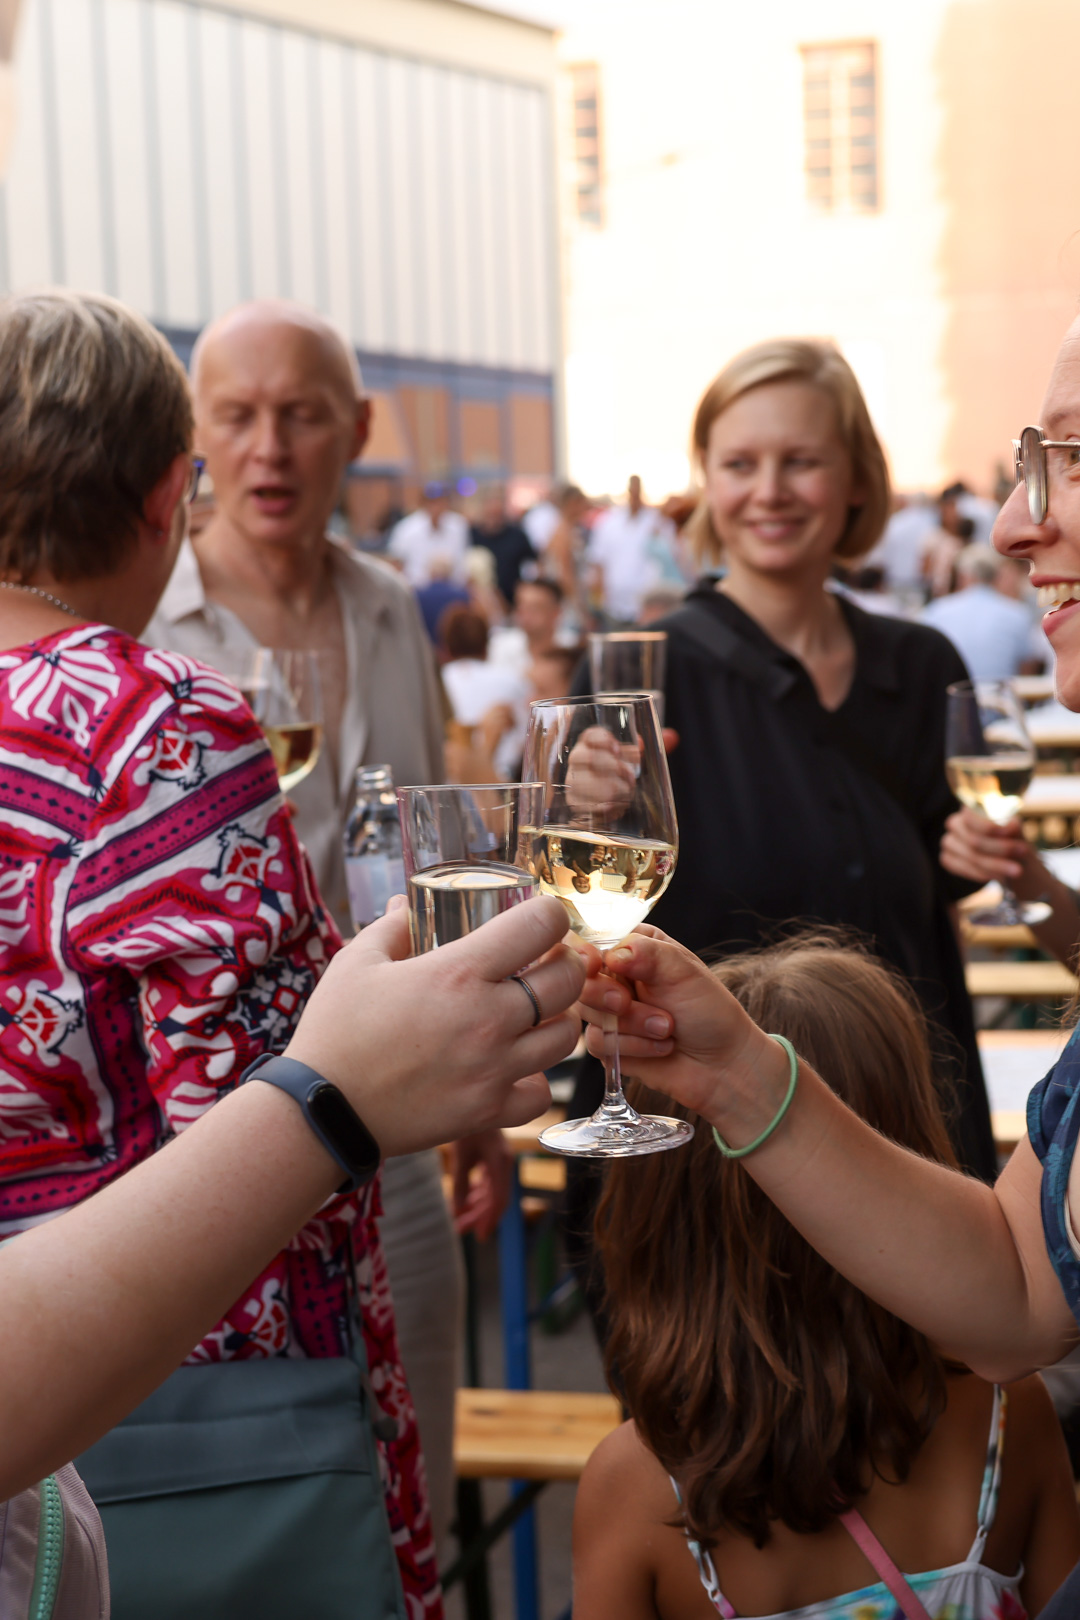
[
  {"x": 270, "y": 440},
  {"x": 1014, "y": 534}
]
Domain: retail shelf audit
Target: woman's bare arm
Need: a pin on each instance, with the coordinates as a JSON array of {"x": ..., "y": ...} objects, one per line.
[
  {"x": 965, "y": 1263},
  {"x": 99, "y": 1305}
]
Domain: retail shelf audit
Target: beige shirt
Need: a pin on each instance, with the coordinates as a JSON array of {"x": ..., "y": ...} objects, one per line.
[{"x": 392, "y": 713}]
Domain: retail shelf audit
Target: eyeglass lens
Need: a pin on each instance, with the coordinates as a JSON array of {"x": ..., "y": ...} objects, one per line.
[{"x": 1033, "y": 467}]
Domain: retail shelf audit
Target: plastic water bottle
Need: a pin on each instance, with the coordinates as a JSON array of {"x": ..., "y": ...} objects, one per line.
[{"x": 374, "y": 869}]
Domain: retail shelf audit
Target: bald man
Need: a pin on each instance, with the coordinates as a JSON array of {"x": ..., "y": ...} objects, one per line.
[{"x": 279, "y": 414}]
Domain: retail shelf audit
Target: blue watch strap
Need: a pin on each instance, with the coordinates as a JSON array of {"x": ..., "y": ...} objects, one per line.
[{"x": 329, "y": 1114}]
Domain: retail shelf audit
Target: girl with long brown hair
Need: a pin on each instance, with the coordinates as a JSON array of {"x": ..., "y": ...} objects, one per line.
[{"x": 782, "y": 1424}]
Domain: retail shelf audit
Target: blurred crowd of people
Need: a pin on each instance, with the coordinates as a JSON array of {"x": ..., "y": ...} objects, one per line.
[{"x": 508, "y": 597}]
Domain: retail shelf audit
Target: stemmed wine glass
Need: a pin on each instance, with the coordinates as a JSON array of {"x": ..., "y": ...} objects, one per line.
[
  {"x": 283, "y": 690},
  {"x": 990, "y": 760},
  {"x": 605, "y": 843}
]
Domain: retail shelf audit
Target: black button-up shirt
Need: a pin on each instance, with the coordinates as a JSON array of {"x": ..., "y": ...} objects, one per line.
[{"x": 789, "y": 814}]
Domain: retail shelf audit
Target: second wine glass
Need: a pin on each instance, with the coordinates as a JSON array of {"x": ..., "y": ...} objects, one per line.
[
  {"x": 990, "y": 760},
  {"x": 605, "y": 843}
]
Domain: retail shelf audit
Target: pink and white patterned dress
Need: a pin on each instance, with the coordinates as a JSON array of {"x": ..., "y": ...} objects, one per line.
[{"x": 160, "y": 929}]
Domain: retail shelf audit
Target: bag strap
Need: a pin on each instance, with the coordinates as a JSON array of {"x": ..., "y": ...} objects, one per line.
[
  {"x": 886, "y": 1571},
  {"x": 736, "y": 654},
  {"x": 383, "y": 1426}
]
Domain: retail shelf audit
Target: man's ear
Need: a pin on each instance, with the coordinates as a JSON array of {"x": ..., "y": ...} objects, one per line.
[
  {"x": 362, "y": 429},
  {"x": 159, "y": 507}
]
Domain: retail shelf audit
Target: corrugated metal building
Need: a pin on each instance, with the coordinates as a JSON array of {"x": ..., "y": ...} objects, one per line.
[{"x": 390, "y": 162}]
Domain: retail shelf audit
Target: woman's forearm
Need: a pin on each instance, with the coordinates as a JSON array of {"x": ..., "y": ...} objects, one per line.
[
  {"x": 1060, "y": 933},
  {"x": 117, "y": 1291},
  {"x": 963, "y": 1262}
]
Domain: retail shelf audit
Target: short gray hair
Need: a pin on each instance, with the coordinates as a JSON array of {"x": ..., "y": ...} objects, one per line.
[
  {"x": 980, "y": 563},
  {"x": 94, "y": 407}
]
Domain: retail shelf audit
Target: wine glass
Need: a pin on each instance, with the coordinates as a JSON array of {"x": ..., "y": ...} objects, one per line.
[
  {"x": 630, "y": 661},
  {"x": 990, "y": 760},
  {"x": 605, "y": 844},
  {"x": 459, "y": 845},
  {"x": 282, "y": 687}
]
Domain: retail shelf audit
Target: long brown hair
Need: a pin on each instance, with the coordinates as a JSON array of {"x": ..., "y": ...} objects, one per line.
[{"x": 766, "y": 1384}]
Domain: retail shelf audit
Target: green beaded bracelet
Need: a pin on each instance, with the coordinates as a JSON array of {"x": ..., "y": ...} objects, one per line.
[{"x": 740, "y": 1153}]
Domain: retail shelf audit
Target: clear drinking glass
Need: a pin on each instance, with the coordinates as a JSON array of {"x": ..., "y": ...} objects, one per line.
[
  {"x": 460, "y": 846},
  {"x": 630, "y": 661},
  {"x": 990, "y": 760},
  {"x": 605, "y": 843}
]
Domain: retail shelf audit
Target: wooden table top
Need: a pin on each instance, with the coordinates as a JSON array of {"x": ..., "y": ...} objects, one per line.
[
  {"x": 1021, "y": 981},
  {"x": 530, "y": 1433},
  {"x": 1052, "y": 796}
]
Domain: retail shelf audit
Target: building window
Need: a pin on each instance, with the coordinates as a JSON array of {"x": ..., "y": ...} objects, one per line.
[
  {"x": 840, "y": 127},
  {"x": 585, "y": 130}
]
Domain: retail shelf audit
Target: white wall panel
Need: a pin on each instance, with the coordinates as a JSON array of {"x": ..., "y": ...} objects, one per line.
[
  {"x": 267, "y": 277},
  {"x": 338, "y": 201},
  {"x": 225, "y": 212},
  {"x": 365, "y": 229},
  {"x": 30, "y": 256},
  {"x": 126, "y": 112},
  {"x": 176, "y": 156},
  {"x": 187, "y": 158},
  {"x": 78, "y": 145}
]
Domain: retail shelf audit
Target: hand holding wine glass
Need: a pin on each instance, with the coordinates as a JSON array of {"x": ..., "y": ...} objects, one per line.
[
  {"x": 604, "y": 842},
  {"x": 990, "y": 760}
]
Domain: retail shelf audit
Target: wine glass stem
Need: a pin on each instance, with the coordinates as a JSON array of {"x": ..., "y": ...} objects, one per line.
[{"x": 613, "y": 1091}]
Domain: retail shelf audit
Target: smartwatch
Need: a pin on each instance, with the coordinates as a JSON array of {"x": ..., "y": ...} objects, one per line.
[{"x": 328, "y": 1112}]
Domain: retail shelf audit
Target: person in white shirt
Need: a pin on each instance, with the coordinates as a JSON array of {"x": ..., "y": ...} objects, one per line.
[
  {"x": 900, "y": 550},
  {"x": 541, "y": 521},
  {"x": 538, "y": 604},
  {"x": 991, "y": 632},
  {"x": 433, "y": 530},
  {"x": 624, "y": 554},
  {"x": 483, "y": 694}
]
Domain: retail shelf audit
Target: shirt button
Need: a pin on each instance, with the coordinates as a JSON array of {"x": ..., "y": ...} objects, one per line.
[{"x": 856, "y": 870}]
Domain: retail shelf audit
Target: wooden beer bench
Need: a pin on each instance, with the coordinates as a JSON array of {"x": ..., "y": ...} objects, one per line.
[{"x": 1020, "y": 981}]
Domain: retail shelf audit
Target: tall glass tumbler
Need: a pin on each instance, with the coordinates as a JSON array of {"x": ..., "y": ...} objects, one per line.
[
  {"x": 460, "y": 845},
  {"x": 630, "y": 661}
]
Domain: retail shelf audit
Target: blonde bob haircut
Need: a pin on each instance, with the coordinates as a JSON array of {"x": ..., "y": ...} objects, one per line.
[{"x": 821, "y": 365}]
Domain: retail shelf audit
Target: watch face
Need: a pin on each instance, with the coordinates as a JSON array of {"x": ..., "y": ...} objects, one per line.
[{"x": 349, "y": 1134}]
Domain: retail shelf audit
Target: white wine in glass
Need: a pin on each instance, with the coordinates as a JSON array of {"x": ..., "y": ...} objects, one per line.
[
  {"x": 990, "y": 760},
  {"x": 605, "y": 844},
  {"x": 448, "y": 902},
  {"x": 282, "y": 687}
]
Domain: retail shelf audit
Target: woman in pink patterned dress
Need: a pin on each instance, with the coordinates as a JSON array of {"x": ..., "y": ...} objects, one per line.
[{"x": 159, "y": 926}]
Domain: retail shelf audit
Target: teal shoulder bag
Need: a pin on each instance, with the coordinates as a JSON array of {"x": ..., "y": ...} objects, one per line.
[{"x": 249, "y": 1487}]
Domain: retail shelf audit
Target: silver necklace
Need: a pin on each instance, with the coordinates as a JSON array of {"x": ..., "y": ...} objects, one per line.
[{"x": 14, "y": 585}]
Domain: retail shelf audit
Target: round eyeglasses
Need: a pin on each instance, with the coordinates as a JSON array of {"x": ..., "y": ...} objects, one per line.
[{"x": 1030, "y": 466}]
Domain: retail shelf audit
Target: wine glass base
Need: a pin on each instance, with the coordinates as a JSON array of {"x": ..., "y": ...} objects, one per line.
[
  {"x": 599, "y": 1138},
  {"x": 1011, "y": 914}
]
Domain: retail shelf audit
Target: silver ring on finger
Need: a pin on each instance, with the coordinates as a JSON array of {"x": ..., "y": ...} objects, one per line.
[{"x": 519, "y": 978}]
